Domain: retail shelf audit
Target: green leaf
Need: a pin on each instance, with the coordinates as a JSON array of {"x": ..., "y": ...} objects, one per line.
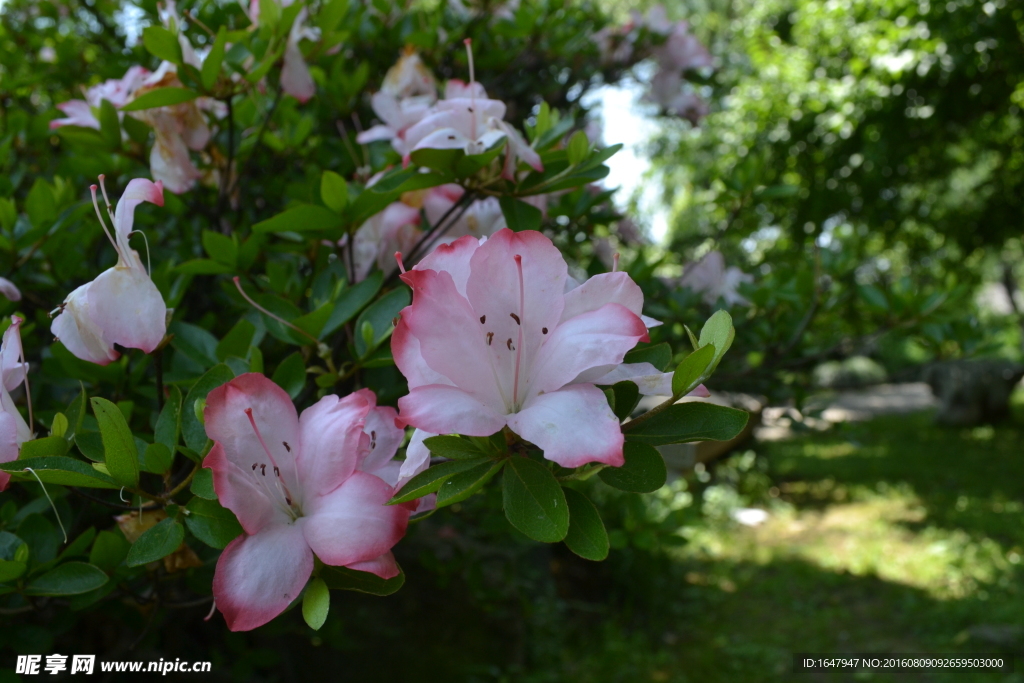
[
  {"x": 718, "y": 330},
  {"x": 70, "y": 578},
  {"x": 156, "y": 542},
  {"x": 168, "y": 424},
  {"x": 119, "y": 452},
  {"x": 579, "y": 147},
  {"x": 453, "y": 447},
  {"x": 162, "y": 44},
  {"x": 333, "y": 191},
  {"x": 46, "y": 447},
  {"x": 60, "y": 470},
  {"x": 643, "y": 472},
  {"x": 431, "y": 479},
  {"x": 11, "y": 570},
  {"x": 270, "y": 13},
  {"x": 237, "y": 341},
  {"x": 79, "y": 545},
  {"x": 627, "y": 395},
  {"x": 437, "y": 159},
  {"x": 75, "y": 414},
  {"x": 40, "y": 204},
  {"x": 685, "y": 422},
  {"x": 519, "y": 215},
  {"x": 461, "y": 486},
  {"x": 693, "y": 370},
  {"x": 221, "y": 248},
  {"x": 315, "y": 603},
  {"x": 110, "y": 126},
  {"x": 202, "y": 484},
  {"x": 290, "y": 375},
  {"x": 873, "y": 297},
  {"x": 59, "y": 426},
  {"x": 380, "y": 316},
  {"x": 156, "y": 459},
  {"x": 534, "y": 502},
  {"x": 161, "y": 97},
  {"x": 202, "y": 266},
  {"x": 301, "y": 219},
  {"x": 331, "y": 13},
  {"x": 658, "y": 355},
  {"x": 214, "y": 525},
  {"x": 91, "y": 445},
  {"x": 214, "y": 60},
  {"x": 109, "y": 550},
  {"x": 195, "y": 342},
  {"x": 351, "y": 301},
  {"x": 587, "y": 536},
  {"x": 343, "y": 578},
  {"x": 192, "y": 429}
]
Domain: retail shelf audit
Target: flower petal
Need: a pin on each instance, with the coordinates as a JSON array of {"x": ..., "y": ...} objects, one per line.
[
  {"x": 9, "y": 289},
  {"x": 604, "y": 288},
  {"x": 128, "y": 308},
  {"x": 444, "y": 409},
  {"x": 590, "y": 340},
  {"x": 228, "y": 425},
  {"x": 384, "y": 566},
  {"x": 453, "y": 258},
  {"x": 330, "y": 432},
  {"x": 258, "y": 576},
  {"x": 452, "y": 340},
  {"x": 139, "y": 190},
  {"x": 573, "y": 426},
  {"x": 239, "y": 491},
  {"x": 9, "y": 445},
  {"x": 76, "y": 329},
  {"x": 650, "y": 380},
  {"x": 352, "y": 523},
  {"x": 385, "y": 438},
  {"x": 406, "y": 350}
]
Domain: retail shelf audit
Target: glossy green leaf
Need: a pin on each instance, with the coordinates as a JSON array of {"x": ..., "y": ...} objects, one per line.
[
  {"x": 587, "y": 536},
  {"x": 578, "y": 148},
  {"x": 11, "y": 570},
  {"x": 75, "y": 414},
  {"x": 60, "y": 470},
  {"x": 162, "y": 44},
  {"x": 453, "y": 448},
  {"x": 214, "y": 59},
  {"x": 109, "y": 550},
  {"x": 156, "y": 542},
  {"x": 351, "y": 301},
  {"x": 290, "y": 374},
  {"x": 643, "y": 472},
  {"x": 220, "y": 248},
  {"x": 461, "y": 486},
  {"x": 380, "y": 316},
  {"x": 693, "y": 370},
  {"x": 237, "y": 341},
  {"x": 70, "y": 578},
  {"x": 202, "y": 484},
  {"x": 430, "y": 479},
  {"x": 519, "y": 215},
  {"x": 192, "y": 430},
  {"x": 718, "y": 330},
  {"x": 211, "y": 523},
  {"x": 533, "y": 500},
  {"x": 342, "y": 578},
  {"x": 47, "y": 446},
  {"x": 110, "y": 126},
  {"x": 685, "y": 422},
  {"x": 302, "y": 218},
  {"x": 626, "y": 395},
  {"x": 168, "y": 424},
  {"x": 119, "y": 452},
  {"x": 156, "y": 459},
  {"x": 316, "y": 602},
  {"x": 658, "y": 355},
  {"x": 333, "y": 191}
]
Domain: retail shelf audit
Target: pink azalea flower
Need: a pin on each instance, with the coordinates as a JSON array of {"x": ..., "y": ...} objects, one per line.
[
  {"x": 467, "y": 119},
  {"x": 299, "y": 485},
  {"x": 178, "y": 129},
  {"x": 295, "y": 77},
  {"x": 116, "y": 91},
  {"x": 492, "y": 339},
  {"x": 121, "y": 306},
  {"x": 9, "y": 289},
  {"x": 14, "y": 431},
  {"x": 713, "y": 280},
  {"x": 482, "y": 218},
  {"x": 396, "y": 228}
]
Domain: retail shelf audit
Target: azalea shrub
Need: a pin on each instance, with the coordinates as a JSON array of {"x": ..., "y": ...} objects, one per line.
[{"x": 344, "y": 291}]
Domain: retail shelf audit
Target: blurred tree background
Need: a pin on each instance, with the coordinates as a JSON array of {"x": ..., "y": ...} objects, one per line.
[{"x": 861, "y": 162}]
